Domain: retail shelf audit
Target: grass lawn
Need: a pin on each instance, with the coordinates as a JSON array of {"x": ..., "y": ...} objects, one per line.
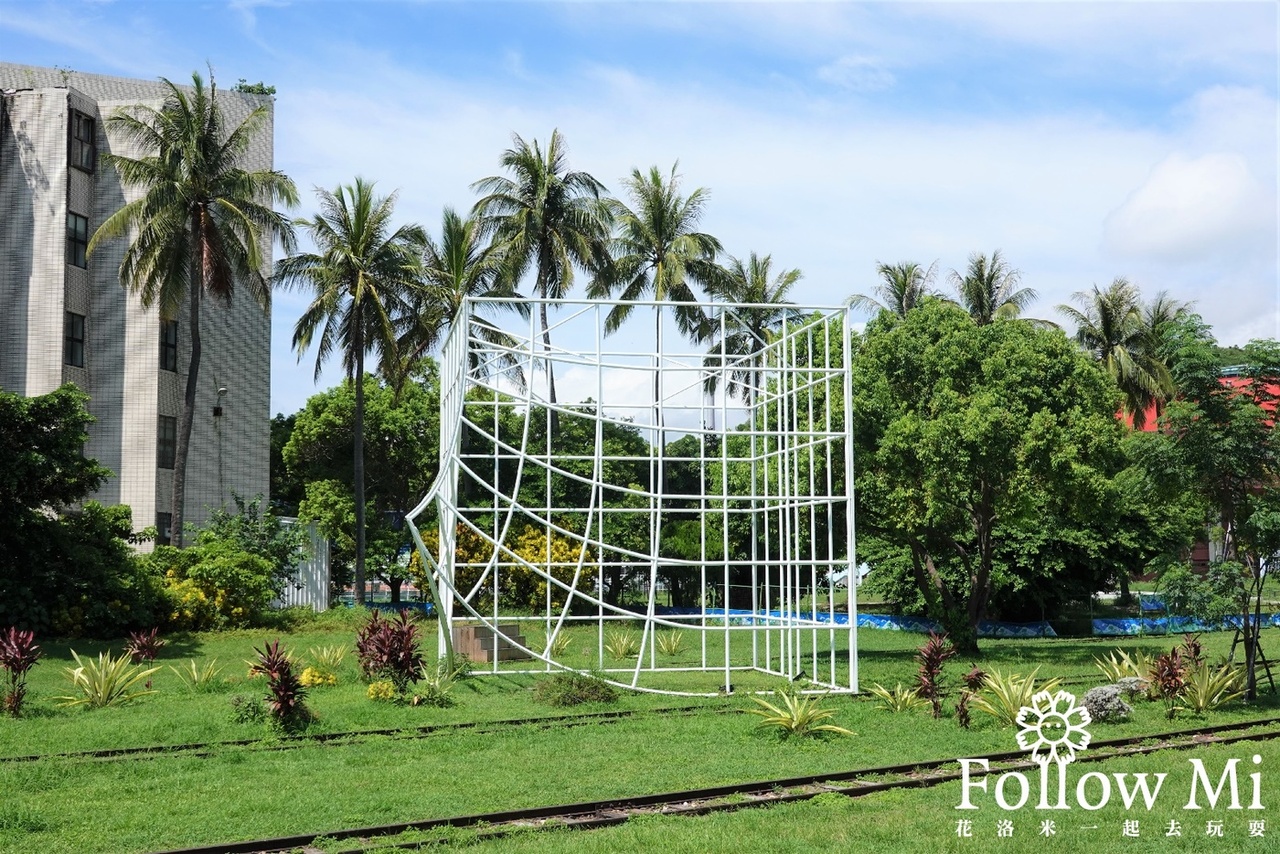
[{"x": 271, "y": 788}]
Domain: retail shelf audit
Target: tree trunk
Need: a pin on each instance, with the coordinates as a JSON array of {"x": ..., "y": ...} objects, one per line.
[
  {"x": 553, "y": 417},
  {"x": 182, "y": 443},
  {"x": 358, "y": 465}
]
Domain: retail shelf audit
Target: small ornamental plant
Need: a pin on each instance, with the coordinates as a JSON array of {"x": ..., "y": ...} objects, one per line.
[
  {"x": 143, "y": 647},
  {"x": 1168, "y": 677},
  {"x": 391, "y": 650},
  {"x": 930, "y": 657},
  {"x": 285, "y": 691},
  {"x": 18, "y": 653}
]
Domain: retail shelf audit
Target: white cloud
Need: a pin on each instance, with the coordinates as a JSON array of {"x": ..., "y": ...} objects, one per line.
[
  {"x": 1190, "y": 208},
  {"x": 859, "y": 73}
]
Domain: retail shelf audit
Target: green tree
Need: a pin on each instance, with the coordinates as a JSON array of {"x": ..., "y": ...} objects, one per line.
[
  {"x": 202, "y": 227},
  {"x": 968, "y": 435},
  {"x": 739, "y": 334},
  {"x": 989, "y": 289},
  {"x": 902, "y": 287},
  {"x": 1111, "y": 327},
  {"x": 72, "y": 573},
  {"x": 400, "y": 462},
  {"x": 1228, "y": 458},
  {"x": 364, "y": 276},
  {"x": 547, "y": 217}
]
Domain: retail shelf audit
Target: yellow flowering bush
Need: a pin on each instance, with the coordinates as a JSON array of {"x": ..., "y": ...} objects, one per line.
[
  {"x": 381, "y": 691},
  {"x": 314, "y": 677}
]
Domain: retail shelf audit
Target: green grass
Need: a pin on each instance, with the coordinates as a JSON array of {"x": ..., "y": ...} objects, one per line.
[{"x": 56, "y": 805}]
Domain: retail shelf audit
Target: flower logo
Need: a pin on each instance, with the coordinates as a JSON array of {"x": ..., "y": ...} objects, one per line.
[{"x": 1053, "y": 728}]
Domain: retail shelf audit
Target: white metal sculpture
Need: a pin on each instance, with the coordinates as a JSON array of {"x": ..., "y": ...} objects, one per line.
[{"x": 691, "y": 492}]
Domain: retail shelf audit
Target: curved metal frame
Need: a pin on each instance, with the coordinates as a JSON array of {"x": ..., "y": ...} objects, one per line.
[{"x": 797, "y": 504}]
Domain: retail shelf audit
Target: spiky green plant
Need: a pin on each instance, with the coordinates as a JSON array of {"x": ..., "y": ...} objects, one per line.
[
  {"x": 107, "y": 682},
  {"x": 622, "y": 644},
  {"x": 557, "y": 645},
  {"x": 197, "y": 679},
  {"x": 900, "y": 698},
  {"x": 1003, "y": 695},
  {"x": 798, "y": 714},
  {"x": 327, "y": 659},
  {"x": 669, "y": 643}
]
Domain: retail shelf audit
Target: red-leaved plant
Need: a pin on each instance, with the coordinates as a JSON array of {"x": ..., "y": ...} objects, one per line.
[
  {"x": 974, "y": 679},
  {"x": 18, "y": 653},
  {"x": 1192, "y": 650},
  {"x": 286, "y": 690},
  {"x": 930, "y": 657},
  {"x": 1168, "y": 678},
  {"x": 144, "y": 646},
  {"x": 390, "y": 649}
]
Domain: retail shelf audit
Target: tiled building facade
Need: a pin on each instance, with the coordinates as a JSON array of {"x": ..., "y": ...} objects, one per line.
[{"x": 65, "y": 317}]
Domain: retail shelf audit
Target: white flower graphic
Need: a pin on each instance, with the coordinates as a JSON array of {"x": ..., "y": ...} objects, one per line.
[{"x": 1053, "y": 728}]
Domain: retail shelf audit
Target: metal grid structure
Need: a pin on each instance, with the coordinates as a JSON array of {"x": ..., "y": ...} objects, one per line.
[{"x": 695, "y": 490}]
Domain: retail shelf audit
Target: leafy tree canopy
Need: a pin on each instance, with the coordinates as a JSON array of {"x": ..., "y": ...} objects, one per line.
[{"x": 971, "y": 437}]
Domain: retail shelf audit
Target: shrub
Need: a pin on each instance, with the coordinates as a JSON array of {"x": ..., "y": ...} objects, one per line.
[
  {"x": 1192, "y": 650},
  {"x": 899, "y": 699},
  {"x": 197, "y": 679},
  {"x": 381, "y": 691},
  {"x": 1104, "y": 704},
  {"x": 107, "y": 682},
  {"x": 574, "y": 689},
  {"x": 248, "y": 710},
  {"x": 214, "y": 586},
  {"x": 1003, "y": 696},
  {"x": 144, "y": 646},
  {"x": 437, "y": 683},
  {"x": 19, "y": 652},
  {"x": 285, "y": 689},
  {"x": 974, "y": 679},
  {"x": 798, "y": 715},
  {"x": 390, "y": 649},
  {"x": 1120, "y": 665},
  {"x": 930, "y": 657},
  {"x": 557, "y": 646},
  {"x": 313, "y": 677},
  {"x": 328, "y": 658}
]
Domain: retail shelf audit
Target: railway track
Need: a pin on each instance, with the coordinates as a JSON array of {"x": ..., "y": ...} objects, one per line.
[
  {"x": 288, "y": 742},
  {"x": 854, "y": 783}
]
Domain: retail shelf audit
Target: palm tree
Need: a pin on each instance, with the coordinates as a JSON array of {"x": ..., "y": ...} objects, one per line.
[
  {"x": 1110, "y": 325},
  {"x": 989, "y": 290},
  {"x": 462, "y": 265},
  {"x": 203, "y": 224},
  {"x": 743, "y": 331},
  {"x": 902, "y": 287},
  {"x": 364, "y": 276},
  {"x": 548, "y": 217},
  {"x": 656, "y": 251}
]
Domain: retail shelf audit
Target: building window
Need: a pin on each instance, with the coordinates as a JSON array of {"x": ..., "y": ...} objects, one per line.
[
  {"x": 168, "y": 345},
  {"x": 167, "y": 442},
  {"x": 77, "y": 239},
  {"x": 83, "y": 150},
  {"x": 73, "y": 340},
  {"x": 164, "y": 521}
]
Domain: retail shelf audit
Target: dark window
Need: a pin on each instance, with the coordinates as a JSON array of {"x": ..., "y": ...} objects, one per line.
[
  {"x": 77, "y": 239},
  {"x": 168, "y": 345},
  {"x": 164, "y": 521},
  {"x": 73, "y": 340},
  {"x": 167, "y": 442},
  {"x": 83, "y": 150}
]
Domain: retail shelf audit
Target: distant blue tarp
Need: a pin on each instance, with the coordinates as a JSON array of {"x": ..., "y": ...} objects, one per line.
[
  {"x": 986, "y": 629},
  {"x": 1171, "y": 625}
]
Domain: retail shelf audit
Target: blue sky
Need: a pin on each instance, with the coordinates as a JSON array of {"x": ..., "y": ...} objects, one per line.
[{"x": 1084, "y": 140}]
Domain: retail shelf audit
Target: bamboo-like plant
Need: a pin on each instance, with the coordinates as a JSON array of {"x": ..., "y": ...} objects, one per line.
[
  {"x": 197, "y": 679},
  {"x": 899, "y": 698},
  {"x": 1206, "y": 689},
  {"x": 107, "y": 682},
  {"x": 622, "y": 644},
  {"x": 798, "y": 714},
  {"x": 669, "y": 643},
  {"x": 1004, "y": 695}
]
